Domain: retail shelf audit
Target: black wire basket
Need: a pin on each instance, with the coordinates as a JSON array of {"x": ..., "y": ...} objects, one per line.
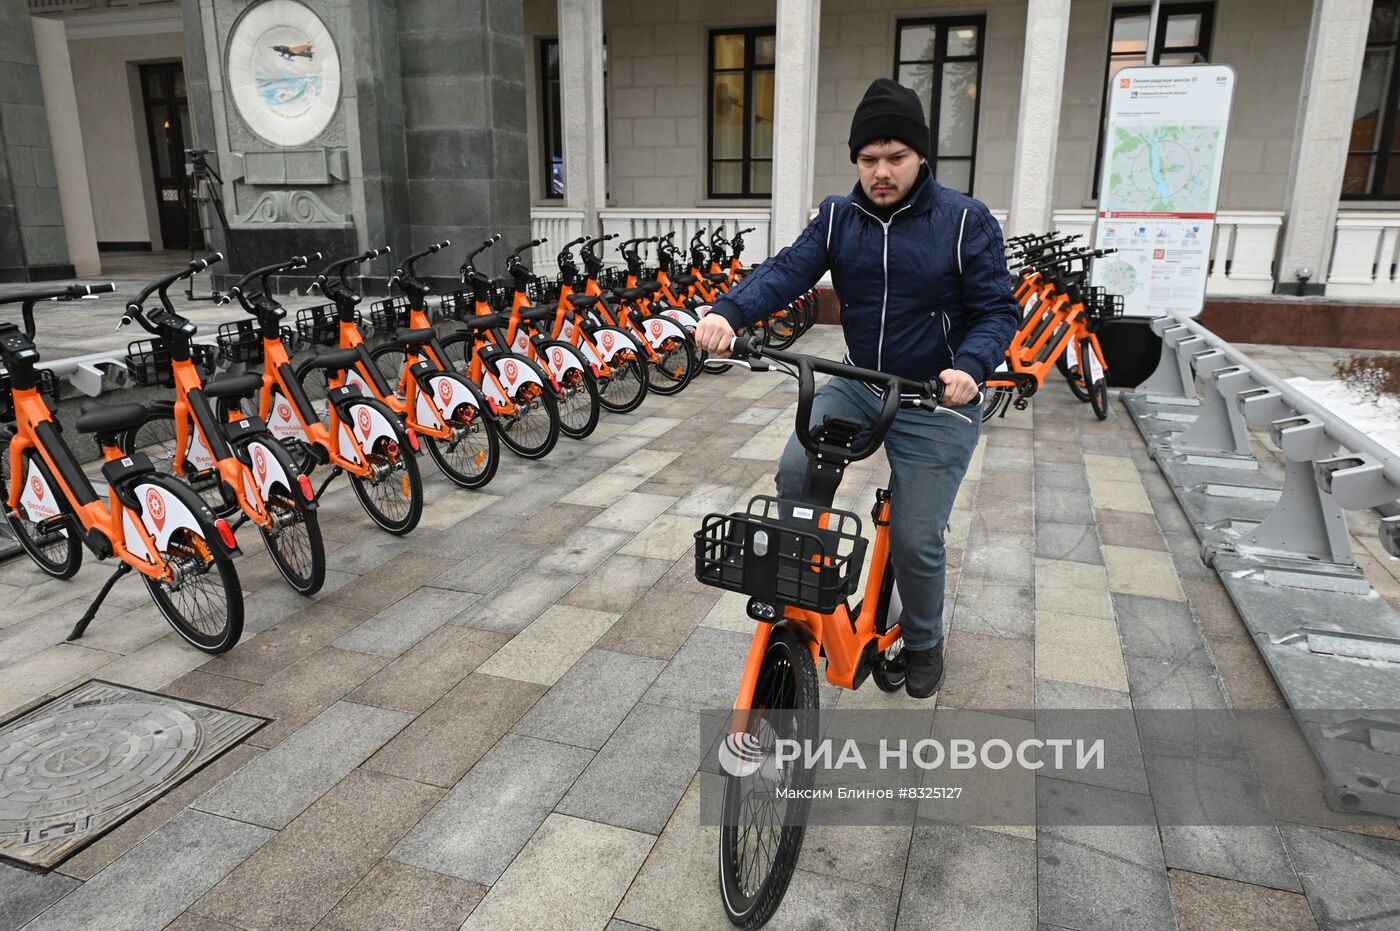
[
  {"x": 458, "y": 305},
  {"x": 47, "y": 385},
  {"x": 240, "y": 341},
  {"x": 148, "y": 362},
  {"x": 389, "y": 314},
  {"x": 319, "y": 324},
  {"x": 783, "y": 552}
]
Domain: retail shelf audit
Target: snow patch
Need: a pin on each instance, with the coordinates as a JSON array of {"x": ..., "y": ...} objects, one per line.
[{"x": 1378, "y": 418}]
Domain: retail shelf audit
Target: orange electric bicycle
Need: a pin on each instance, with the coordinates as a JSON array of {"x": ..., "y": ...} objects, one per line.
[
  {"x": 443, "y": 408},
  {"x": 361, "y": 436},
  {"x": 153, "y": 522},
  {"x": 225, "y": 454},
  {"x": 799, "y": 561},
  {"x": 1062, "y": 317}
]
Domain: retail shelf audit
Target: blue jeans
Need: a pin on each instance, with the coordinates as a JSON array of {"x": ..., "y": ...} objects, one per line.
[{"x": 928, "y": 455}]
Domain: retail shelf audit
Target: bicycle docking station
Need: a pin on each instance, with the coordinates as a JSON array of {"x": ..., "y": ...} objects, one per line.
[{"x": 1279, "y": 541}]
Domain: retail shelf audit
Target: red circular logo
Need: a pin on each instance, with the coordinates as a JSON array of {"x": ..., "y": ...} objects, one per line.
[
  {"x": 511, "y": 370},
  {"x": 444, "y": 390},
  {"x": 155, "y": 505},
  {"x": 260, "y": 463},
  {"x": 656, "y": 330},
  {"x": 38, "y": 485},
  {"x": 364, "y": 420},
  {"x": 607, "y": 340},
  {"x": 558, "y": 356},
  {"x": 284, "y": 411}
]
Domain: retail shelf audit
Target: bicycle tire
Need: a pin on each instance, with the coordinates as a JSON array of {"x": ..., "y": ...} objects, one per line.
[
  {"x": 1098, "y": 398},
  {"x": 367, "y": 489},
  {"x": 475, "y": 464},
  {"x": 1074, "y": 374},
  {"x": 578, "y": 404},
  {"x": 296, "y": 546},
  {"x": 659, "y": 377},
  {"x": 787, "y": 690},
  {"x": 534, "y": 433},
  {"x": 782, "y": 330},
  {"x": 221, "y": 624},
  {"x": 61, "y": 555},
  {"x": 626, "y": 389}
]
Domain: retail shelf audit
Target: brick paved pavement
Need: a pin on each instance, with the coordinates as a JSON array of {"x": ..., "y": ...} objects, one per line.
[{"x": 491, "y": 722}]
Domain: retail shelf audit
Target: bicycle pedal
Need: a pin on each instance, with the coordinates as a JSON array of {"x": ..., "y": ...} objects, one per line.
[{"x": 1021, "y": 404}]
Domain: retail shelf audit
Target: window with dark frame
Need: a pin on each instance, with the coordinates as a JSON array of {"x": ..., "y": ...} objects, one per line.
[
  {"x": 940, "y": 59},
  {"x": 1183, "y": 38},
  {"x": 740, "y": 136},
  {"x": 1373, "y": 155},
  {"x": 552, "y": 119}
]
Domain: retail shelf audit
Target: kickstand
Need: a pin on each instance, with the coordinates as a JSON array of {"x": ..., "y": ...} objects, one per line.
[
  {"x": 86, "y": 619},
  {"x": 329, "y": 478}
]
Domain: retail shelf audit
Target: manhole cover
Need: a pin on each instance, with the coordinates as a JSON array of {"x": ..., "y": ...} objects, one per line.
[{"x": 74, "y": 768}]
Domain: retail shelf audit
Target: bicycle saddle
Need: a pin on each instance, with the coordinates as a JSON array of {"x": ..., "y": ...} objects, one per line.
[
  {"x": 537, "y": 312},
  {"x": 581, "y": 301},
  {"x": 234, "y": 386},
  {"x": 407, "y": 337},
  {"x": 716, "y": 277},
  {"x": 485, "y": 322},
  {"x": 631, "y": 294},
  {"x": 336, "y": 358},
  {"x": 114, "y": 418},
  {"x": 684, "y": 281}
]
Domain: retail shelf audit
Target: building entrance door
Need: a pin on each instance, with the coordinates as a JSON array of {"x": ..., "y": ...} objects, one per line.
[{"x": 168, "y": 129}]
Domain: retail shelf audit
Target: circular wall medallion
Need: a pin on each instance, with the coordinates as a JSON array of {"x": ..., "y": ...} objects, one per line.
[{"x": 283, "y": 72}]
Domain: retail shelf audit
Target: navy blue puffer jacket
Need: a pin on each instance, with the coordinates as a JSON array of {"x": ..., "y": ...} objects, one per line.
[{"x": 926, "y": 291}]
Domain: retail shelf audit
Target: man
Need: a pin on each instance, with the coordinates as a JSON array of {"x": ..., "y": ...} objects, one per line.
[{"x": 925, "y": 291}]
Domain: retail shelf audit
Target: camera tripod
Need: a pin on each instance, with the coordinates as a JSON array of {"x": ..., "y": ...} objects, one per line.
[{"x": 205, "y": 187}]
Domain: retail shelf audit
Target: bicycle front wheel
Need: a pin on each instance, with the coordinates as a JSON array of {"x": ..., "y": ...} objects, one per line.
[
  {"x": 626, "y": 388},
  {"x": 204, "y": 603},
  {"x": 765, "y": 815}
]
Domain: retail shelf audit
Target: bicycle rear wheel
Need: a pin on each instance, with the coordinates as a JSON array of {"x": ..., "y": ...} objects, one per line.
[
  {"x": 626, "y": 388},
  {"x": 205, "y": 604},
  {"x": 394, "y": 500},
  {"x": 762, "y": 833},
  {"x": 578, "y": 404},
  {"x": 53, "y": 545},
  {"x": 157, "y": 438},
  {"x": 673, "y": 367},
  {"x": 470, "y": 457}
]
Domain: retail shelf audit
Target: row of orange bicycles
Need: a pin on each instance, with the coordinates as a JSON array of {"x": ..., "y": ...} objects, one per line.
[
  {"x": 515, "y": 361},
  {"x": 1061, "y": 316}
]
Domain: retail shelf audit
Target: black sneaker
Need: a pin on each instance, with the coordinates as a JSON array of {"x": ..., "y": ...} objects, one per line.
[{"x": 923, "y": 671}]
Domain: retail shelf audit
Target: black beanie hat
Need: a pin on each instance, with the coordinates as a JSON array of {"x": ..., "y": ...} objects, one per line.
[{"x": 889, "y": 110}]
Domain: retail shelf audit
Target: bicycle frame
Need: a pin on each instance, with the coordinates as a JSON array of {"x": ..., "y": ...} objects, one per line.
[{"x": 845, "y": 639}]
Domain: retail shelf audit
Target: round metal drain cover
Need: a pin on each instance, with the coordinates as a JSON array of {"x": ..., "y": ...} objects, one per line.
[{"x": 73, "y": 768}]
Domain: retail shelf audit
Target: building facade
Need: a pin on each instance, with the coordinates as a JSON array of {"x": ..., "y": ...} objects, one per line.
[{"x": 410, "y": 122}]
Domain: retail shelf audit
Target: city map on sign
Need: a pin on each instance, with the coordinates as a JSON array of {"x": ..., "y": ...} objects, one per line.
[{"x": 1163, "y": 168}]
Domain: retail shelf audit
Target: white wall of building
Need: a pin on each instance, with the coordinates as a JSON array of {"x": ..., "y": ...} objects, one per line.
[
  {"x": 657, "y": 99},
  {"x": 118, "y": 155}
]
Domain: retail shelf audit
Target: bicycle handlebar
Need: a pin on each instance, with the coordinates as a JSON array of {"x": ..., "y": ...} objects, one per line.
[
  {"x": 70, "y": 292},
  {"x": 340, "y": 267},
  {"x": 930, "y": 392},
  {"x": 591, "y": 246}
]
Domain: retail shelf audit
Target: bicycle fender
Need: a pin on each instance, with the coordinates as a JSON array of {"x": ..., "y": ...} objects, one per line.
[
  {"x": 684, "y": 318},
  {"x": 660, "y": 329},
  {"x": 449, "y": 392},
  {"x": 266, "y": 469},
  {"x": 515, "y": 372},
  {"x": 611, "y": 340},
  {"x": 167, "y": 506},
  {"x": 560, "y": 357},
  {"x": 363, "y": 423}
]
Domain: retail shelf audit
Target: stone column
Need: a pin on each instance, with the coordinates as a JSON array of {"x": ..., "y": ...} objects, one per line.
[
  {"x": 1331, "y": 79},
  {"x": 464, "y": 128},
  {"x": 794, "y": 118},
  {"x": 1038, "y": 118},
  {"x": 581, "y": 95},
  {"x": 70, "y": 170},
  {"x": 32, "y": 242}
]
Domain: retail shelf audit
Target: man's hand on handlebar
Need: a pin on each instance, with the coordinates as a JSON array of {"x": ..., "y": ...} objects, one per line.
[
  {"x": 959, "y": 387},
  {"x": 714, "y": 335}
]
